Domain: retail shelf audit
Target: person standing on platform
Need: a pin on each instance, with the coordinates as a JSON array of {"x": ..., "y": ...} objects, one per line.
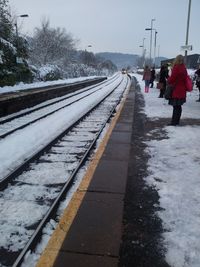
[
  {"x": 178, "y": 80},
  {"x": 197, "y": 79},
  {"x": 163, "y": 79},
  {"x": 146, "y": 78},
  {"x": 153, "y": 76}
]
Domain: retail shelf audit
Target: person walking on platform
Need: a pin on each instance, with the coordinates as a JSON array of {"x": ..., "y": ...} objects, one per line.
[
  {"x": 153, "y": 76},
  {"x": 197, "y": 79},
  {"x": 146, "y": 78},
  {"x": 163, "y": 79},
  {"x": 178, "y": 81}
]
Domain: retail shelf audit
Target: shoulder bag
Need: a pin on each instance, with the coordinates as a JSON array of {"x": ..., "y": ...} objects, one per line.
[
  {"x": 189, "y": 85},
  {"x": 159, "y": 85},
  {"x": 168, "y": 91}
]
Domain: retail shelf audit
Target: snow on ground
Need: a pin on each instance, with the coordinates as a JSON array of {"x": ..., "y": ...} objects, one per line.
[
  {"x": 175, "y": 172},
  {"x": 16, "y": 202},
  {"x": 15, "y": 148},
  {"x": 25, "y": 86}
]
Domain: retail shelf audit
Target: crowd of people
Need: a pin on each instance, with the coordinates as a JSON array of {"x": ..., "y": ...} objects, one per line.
[{"x": 176, "y": 79}]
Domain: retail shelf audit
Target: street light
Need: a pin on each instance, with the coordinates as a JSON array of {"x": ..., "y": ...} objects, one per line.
[
  {"x": 23, "y": 16},
  {"x": 155, "y": 47},
  {"x": 143, "y": 51},
  {"x": 18, "y": 60},
  {"x": 20, "y": 16},
  {"x": 88, "y": 46},
  {"x": 150, "y": 29},
  {"x": 86, "y": 55},
  {"x": 158, "y": 50}
]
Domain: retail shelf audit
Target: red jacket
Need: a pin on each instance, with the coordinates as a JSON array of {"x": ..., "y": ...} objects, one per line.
[
  {"x": 178, "y": 79},
  {"x": 147, "y": 75}
]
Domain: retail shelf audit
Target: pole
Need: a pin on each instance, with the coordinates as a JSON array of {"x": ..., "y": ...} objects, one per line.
[
  {"x": 158, "y": 50},
  {"x": 154, "y": 61},
  {"x": 143, "y": 53},
  {"x": 187, "y": 31},
  {"x": 17, "y": 35},
  {"x": 144, "y": 57},
  {"x": 151, "y": 38},
  {"x": 86, "y": 54}
]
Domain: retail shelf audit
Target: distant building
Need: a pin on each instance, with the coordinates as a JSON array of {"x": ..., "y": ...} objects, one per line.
[{"x": 193, "y": 61}]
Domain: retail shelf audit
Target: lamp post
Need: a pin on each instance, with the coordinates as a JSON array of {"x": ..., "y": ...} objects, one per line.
[
  {"x": 154, "y": 62},
  {"x": 150, "y": 29},
  {"x": 187, "y": 30},
  {"x": 158, "y": 50},
  {"x": 20, "y": 16},
  {"x": 17, "y": 34},
  {"x": 86, "y": 55},
  {"x": 143, "y": 51},
  {"x": 88, "y": 46}
]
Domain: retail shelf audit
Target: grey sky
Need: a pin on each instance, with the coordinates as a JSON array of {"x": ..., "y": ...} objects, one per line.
[{"x": 116, "y": 25}]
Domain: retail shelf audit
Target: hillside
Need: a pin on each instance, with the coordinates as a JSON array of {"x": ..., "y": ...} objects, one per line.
[
  {"x": 119, "y": 59},
  {"x": 125, "y": 60}
]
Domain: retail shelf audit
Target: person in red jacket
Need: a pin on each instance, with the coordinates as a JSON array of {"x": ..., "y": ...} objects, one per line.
[
  {"x": 146, "y": 78},
  {"x": 178, "y": 80}
]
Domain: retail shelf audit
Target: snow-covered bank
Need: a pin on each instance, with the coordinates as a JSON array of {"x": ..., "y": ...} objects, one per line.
[
  {"x": 174, "y": 172},
  {"x": 23, "y": 86}
]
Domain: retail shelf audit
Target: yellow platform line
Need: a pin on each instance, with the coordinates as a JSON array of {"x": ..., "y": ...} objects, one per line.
[{"x": 51, "y": 251}]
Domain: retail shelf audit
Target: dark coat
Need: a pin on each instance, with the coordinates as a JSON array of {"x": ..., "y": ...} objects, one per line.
[
  {"x": 163, "y": 75},
  {"x": 153, "y": 74},
  {"x": 197, "y": 73}
]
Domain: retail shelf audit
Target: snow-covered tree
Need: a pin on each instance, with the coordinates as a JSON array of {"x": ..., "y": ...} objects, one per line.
[
  {"x": 51, "y": 45},
  {"x": 107, "y": 67},
  {"x": 5, "y": 20},
  {"x": 88, "y": 58},
  {"x": 12, "y": 47},
  {"x": 49, "y": 55}
]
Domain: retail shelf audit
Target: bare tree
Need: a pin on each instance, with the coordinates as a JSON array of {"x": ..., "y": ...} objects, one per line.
[
  {"x": 88, "y": 58},
  {"x": 51, "y": 45}
]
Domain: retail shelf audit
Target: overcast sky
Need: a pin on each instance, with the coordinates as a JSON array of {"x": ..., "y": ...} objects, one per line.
[{"x": 116, "y": 25}]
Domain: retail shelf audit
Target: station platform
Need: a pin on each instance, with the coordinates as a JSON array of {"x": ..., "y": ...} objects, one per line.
[
  {"x": 110, "y": 220},
  {"x": 15, "y": 101}
]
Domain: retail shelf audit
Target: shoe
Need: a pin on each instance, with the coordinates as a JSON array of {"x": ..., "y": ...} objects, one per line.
[
  {"x": 172, "y": 124},
  {"x": 198, "y": 100}
]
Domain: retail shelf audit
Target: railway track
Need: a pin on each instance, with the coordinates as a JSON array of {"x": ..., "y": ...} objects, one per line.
[
  {"x": 15, "y": 101},
  {"x": 36, "y": 134},
  {"x": 12, "y": 123},
  {"x": 31, "y": 194}
]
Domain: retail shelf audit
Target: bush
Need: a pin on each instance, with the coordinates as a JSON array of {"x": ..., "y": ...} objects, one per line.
[
  {"x": 7, "y": 79},
  {"x": 49, "y": 73}
]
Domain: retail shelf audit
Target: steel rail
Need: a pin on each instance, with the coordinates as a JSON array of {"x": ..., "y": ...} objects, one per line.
[
  {"x": 38, "y": 233},
  {"x": 54, "y": 111},
  {"x": 38, "y": 95},
  {"x": 19, "y": 169},
  {"x": 40, "y": 106},
  {"x": 3, "y": 121}
]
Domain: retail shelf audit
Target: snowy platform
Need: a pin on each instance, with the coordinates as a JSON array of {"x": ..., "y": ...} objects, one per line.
[{"x": 139, "y": 204}]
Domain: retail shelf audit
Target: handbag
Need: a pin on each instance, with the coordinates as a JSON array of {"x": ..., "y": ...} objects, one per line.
[
  {"x": 189, "y": 85},
  {"x": 168, "y": 91},
  {"x": 159, "y": 85}
]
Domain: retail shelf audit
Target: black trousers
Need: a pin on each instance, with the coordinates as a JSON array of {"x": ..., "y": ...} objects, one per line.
[
  {"x": 151, "y": 83},
  {"x": 162, "y": 92},
  {"x": 176, "y": 115}
]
